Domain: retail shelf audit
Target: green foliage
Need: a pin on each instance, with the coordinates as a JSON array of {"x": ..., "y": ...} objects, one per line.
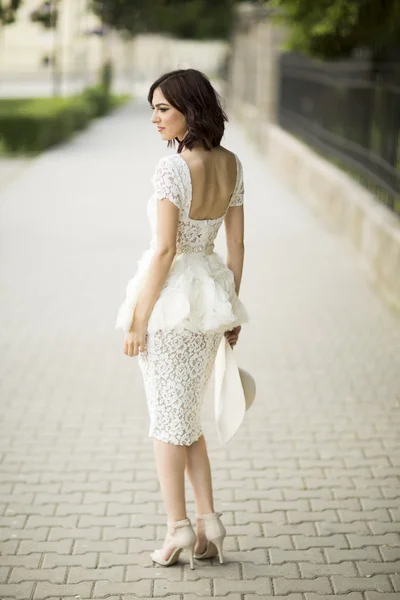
[
  {"x": 30, "y": 125},
  {"x": 99, "y": 96},
  {"x": 106, "y": 75},
  {"x": 117, "y": 100},
  {"x": 195, "y": 19},
  {"x": 8, "y": 10},
  {"x": 334, "y": 28},
  {"x": 98, "y": 101},
  {"x": 37, "y": 124},
  {"x": 46, "y": 14}
]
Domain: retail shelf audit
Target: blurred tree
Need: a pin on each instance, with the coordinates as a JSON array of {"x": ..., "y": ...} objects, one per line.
[
  {"x": 8, "y": 10},
  {"x": 334, "y": 28},
  {"x": 46, "y": 14},
  {"x": 196, "y": 19}
]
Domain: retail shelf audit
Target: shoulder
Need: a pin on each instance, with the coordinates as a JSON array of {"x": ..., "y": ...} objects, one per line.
[
  {"x": 165, "y": 167},
  {"x": 168, "y": 161},
  {"x": 167, "y": 179},
  {"x": 229, "y": 153},
  {"x": 173, "y": 167},
  {"x": 234, "y": 160},
  {"x": 238, "y": 193}
]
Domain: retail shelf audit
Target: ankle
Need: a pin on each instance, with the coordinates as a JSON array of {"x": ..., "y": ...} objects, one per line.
[
  {"x": 206, "y": 511},
  {"x": 209, "y": 514},
  {"x": 174, "y": 521}
]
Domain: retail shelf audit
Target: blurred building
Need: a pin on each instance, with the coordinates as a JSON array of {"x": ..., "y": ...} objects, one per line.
[
  {"x": 80, "y": 45},
  {"x": 24, "y": 45}
]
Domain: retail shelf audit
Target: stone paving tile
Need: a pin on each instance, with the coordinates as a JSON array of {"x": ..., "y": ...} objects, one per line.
[
  {"x": 251, "y": 571},
  {"x": 133, "y": 597},
  {"x": 17, "y": 591},
  {"x": 320, "y": 585},
  {"x": 380, "y": 583},
  {"x": 380, "y": 596},
  {"x": 345, "y": 568},
  {"x": 285, "y": 597},
  {"x": 88, "y": 560},
  {"x": 30, "y": 561},
  {"x": 202, "y": 587},
  {"x": 349, "y": 596},
  {"x": 4, "y": 573},
  {"x": 259, "y": 585},
  {"x": 151, "y": 571},
  {"x": 139, "y": 589},
  {"x": 368, "y": 568},
  {"x": 389, "y": 554},
  {"x": 309, "y": 487},
  {"x": 226, "y": 597},
  {"x": 45, "y": 589},
  {"x": 395, "y": 581},
  {"x": 209, "y": 569},
  {"x": 20, "y": 574}
]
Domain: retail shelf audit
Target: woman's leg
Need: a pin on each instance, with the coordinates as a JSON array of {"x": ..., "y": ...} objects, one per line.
[
  {"x": 170, "y": 462},
  {"x": 199, "y": 473}
]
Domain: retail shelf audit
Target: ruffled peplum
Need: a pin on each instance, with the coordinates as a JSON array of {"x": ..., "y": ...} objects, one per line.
[{"x": 199, "y": 295}]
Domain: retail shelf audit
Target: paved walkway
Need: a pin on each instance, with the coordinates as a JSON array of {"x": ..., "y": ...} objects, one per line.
[
  {"x": 309, "y": 486},
  {"x": 11, "y": 168}
]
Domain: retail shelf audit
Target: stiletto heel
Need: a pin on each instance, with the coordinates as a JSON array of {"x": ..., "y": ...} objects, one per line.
[
  {"x": 181, "y": 536},
  {"x": 218, "y": 543},
  {"x": 215, "y": 533}
]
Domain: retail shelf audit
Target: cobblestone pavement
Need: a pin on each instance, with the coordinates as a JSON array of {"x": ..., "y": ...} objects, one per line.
[{"x": 309, "y": 487}]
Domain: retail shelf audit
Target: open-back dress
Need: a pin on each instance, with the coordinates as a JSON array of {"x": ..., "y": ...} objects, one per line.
[{"x": 197, "y": 304}]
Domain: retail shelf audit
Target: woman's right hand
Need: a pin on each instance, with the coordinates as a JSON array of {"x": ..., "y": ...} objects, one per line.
[{"x": 233, "y": 335}]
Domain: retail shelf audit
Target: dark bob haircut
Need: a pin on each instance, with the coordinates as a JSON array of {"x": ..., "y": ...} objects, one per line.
[{"x": 190, "y": 92}]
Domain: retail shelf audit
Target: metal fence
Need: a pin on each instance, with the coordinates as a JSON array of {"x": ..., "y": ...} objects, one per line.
[{"x": 349, "y": 111}]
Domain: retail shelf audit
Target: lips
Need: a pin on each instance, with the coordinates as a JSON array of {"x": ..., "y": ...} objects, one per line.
[{"x": 160, "y": 128}]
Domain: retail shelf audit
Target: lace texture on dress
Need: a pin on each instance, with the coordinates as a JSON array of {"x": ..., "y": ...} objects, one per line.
[
  {"x": 176, "y": 368},
  {"x": 238, "y": 194},
  {"x": 166, "y": 182},
  {"x": 199, "y": 292}
]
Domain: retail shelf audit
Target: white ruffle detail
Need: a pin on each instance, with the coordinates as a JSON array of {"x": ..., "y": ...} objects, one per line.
[{"x": 198, "y": 295}]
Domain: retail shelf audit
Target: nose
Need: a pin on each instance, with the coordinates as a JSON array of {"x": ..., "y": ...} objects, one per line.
[{"x": 154, "y": 118}]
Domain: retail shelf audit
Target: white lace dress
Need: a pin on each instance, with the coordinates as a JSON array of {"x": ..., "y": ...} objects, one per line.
[{"x": 196, "y": 305}]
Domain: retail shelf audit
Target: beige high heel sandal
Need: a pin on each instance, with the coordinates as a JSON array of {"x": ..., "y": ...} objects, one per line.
[
  {"x": 182, "y": 536},
  {"x": 215, "y": 533}
]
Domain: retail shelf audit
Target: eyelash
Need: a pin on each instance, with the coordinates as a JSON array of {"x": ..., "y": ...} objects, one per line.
[{"x": 161, "y": 109}]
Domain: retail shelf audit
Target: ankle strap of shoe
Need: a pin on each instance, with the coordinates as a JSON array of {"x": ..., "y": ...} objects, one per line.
[
  {"x": 208, "y": 516},
  {"x": 182, "y": 523}
]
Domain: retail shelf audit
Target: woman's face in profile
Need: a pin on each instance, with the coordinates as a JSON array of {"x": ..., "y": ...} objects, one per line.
[{"x": 169, "y": 121}]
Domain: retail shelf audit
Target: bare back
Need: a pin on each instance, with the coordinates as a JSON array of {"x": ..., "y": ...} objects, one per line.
[{"x": 213, "y": 177}]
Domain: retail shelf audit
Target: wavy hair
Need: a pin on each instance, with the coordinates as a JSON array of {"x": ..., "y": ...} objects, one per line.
[{"x": 190, "y": 92}]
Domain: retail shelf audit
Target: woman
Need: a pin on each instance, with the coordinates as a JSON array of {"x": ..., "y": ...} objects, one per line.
[{"x": 183, "y": 299}]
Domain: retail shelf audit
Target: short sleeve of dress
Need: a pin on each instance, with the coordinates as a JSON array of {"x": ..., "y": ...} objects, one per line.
[
  {"x": 238, "y": 194},
  {"x": 166, "y": 182}
]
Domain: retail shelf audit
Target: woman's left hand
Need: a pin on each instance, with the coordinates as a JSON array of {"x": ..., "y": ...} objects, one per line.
[{"x": 135, "y": 338}]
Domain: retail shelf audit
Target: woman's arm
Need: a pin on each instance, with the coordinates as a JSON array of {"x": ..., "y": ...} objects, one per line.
[
  {"x": 160, "y": 264},
  {"x": 234, "y": 227},
  {"x": 167, "y": 226}
]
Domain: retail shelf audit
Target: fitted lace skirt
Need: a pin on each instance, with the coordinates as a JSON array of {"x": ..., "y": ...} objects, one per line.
[{"x": 176, "y": 367}]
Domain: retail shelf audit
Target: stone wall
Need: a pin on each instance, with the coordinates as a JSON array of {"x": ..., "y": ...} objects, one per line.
[{"x": 340, "y": 201}]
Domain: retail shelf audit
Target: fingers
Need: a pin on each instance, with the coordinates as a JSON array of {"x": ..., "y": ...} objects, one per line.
[
  {"x": 232, "y": 339},
  {"x": 133, "y": 348},
  {"x": 234, "y": 332}
]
